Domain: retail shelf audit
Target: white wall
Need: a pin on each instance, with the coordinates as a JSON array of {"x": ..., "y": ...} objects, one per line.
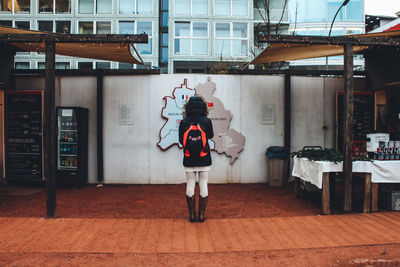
[{"x": 131, "y": 154}]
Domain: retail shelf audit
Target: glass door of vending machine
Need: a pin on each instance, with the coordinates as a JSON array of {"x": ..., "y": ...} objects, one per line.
[
  {"x": 72, "y": 146},
  {"x": 67, "y": 140}
]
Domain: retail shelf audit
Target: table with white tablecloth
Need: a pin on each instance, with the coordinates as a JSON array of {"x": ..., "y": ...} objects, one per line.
[{"x": 377, "y": 171}]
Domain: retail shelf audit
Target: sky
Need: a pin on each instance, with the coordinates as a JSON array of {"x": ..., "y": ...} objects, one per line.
[{"x": 382, "y": 7}]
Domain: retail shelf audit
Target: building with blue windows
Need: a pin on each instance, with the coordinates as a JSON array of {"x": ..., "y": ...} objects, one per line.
[
  {"x": 314, "y": 17},
  {"x": 185, "y": 36}
]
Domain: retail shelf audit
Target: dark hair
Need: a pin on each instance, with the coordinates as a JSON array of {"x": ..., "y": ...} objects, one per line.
[{"x": 195, "y": 107}]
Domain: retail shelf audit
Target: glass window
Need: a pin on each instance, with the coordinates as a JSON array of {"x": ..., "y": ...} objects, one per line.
[
  {"x": 144, "y": 27},
  {"x": 45, "y": 26},
  {"x": 222, "y": 47},
  {"x": 316, "y": 10},
  {"x": 126, "y": 6},
  {"x": 124, "y": 66},
  {"x": 239, "y": 48},
  {"x": 86, "y": 6},
  {"x": 103, "y": 27},
  {"x": 222, "y": 29},
  {"x": 164, "y": 55},
  {"x": 200, "y": 29},
  {"x": 62, "y": 65},
  {"x": 22, "y": 25},
  {"x": 199, "y": 47},
  {"x": 164, "y": 39},
  {"x": 103, "y": 6},
  {"x": 63, "y": 26},
  {"x": 182, "y": 46},
  {"x": 45, "y": 6},
  {"x": 145, "y": 49},
  {"x": 182, "y": 7},
  {"x": 63, "y": 6},
  {"x": 199, "y": 7},
  {"x": 7, "y": 23},
  {"x": 164, "y": 4},
  {"x": 126, "y": 27},
  {"x": 22, "y": 6},
  {"x": 21, "y": 65},
  {"x": 144, "y": 6},
  {"x": 332, "y": 8},
  {"x": 182, "y": 29},
  {"x": 103, "y": 65},
  {"x": 41, "y": 65},
  {"x": 240, "y": 30},
  {"x": 85, "y": 65},
  {"x": 6, "y": 5},
  {"x": 164, "y": 16},
  {"x": 354, "y": 10},
  {"x": 223, "y": 7},
  {"x": 239, "y": 7},
  {"x": 85, "y": 27}
]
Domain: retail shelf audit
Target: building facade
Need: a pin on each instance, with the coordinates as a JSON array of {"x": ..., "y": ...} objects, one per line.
[
  {"x": 314, "y": 17},
  {"x": 185, "y": 36}
]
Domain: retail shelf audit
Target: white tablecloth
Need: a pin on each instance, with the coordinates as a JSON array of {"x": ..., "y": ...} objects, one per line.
[{"x": 381, "y": 171}]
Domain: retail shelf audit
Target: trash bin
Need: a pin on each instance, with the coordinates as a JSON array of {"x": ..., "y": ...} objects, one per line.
[{"x": 277, "y": 164}]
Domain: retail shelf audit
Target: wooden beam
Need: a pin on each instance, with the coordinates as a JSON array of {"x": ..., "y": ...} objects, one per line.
[
  {"x": 73, "y": 38},
  {"x": 336, "y": 40},
  {"x": 348, "y": 127},
  {"x": 100, "y": 170},
  {"x": 325, "y": 195},
  {"x": 367, "y": 192},
  {"x": 374, "y": 201},
  {"x": 49, "y": 132}
]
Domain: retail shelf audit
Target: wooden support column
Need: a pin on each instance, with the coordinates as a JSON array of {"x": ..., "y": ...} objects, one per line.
[
  {"x": 49, "y": 130},
  {"x": 326, "y": 199},
  {"x": 374, "y": 201},
  {"x": 348, "y": 125},
  {"x": 100, "y": 170},
  {"x": 287, "y": 111},
  {"x": 367, "y": 193}
]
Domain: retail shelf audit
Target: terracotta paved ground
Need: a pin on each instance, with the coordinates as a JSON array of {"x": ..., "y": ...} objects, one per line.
[{"x": 179, "y": 236}]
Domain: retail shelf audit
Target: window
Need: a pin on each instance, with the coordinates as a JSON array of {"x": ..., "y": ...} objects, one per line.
[
  {"x": 86, "y": 6},
  {"x": 136, "y": 6},
  {"x": 315, "y": 10},
  {"x": 191, "y": 38},
  {"x": 7, "y": 23},
  {"x": 15, "y": 6},
  {"x": 22, "y": 25},
  {"x": 45, "y": 26},
  {"x": 126, "y": 27},
  {"x": 231, "y": 7},
  {"x": 85, "y": 27},
  {"x": 63, "y": 26},
  {"x": 62, "y": 65},
  {"x": 332, "y": 8},
  {"x": 231, "y": 39},
  {"x": 145, "y": 27},
  {"x": 21, "y": 65},
  {"x": 164, "y": 47},
  {"x": 85, "y": 65},
  {"x": 103, "y": 6},
  {"x": 191, "y": 7},
  {"x": 103, "y": 27},
  {"x": 125, "y": 66},
  {"x": 103, "y": 65},
  {"x": 354, "y": 10},
  {"x": 54, "y": 6}
]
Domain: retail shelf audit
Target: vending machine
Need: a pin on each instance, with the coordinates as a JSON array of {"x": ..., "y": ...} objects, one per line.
[{"x": 72, "y": 146}]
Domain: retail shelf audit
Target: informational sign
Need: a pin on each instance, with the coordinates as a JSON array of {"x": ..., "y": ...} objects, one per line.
[
  {"x": 226, "y": 140},
  {"x": 24, "y": 142},
  {"x": 268, "y": 114},
  {"x": 125, "y": 115}
]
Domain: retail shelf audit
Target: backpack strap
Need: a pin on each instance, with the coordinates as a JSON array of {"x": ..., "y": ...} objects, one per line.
[{"x": 203, "y": 138}]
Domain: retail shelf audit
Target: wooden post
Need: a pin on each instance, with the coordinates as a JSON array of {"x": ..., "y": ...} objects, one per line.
[
  {"x": 100, "y": 173},
  {"x": 49, "y": 132},
  {"x": 367, "y": 193},
  {"x": 287, "y": 131},
  {"x": 374, "y": 202},
  {"x": 297, "y": 186},
  {"x": 325, "y": 201},
  {"x": 348, "y": 127}
]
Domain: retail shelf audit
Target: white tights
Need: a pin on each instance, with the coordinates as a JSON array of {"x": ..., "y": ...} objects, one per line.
[{"x": 191, "y": 183}]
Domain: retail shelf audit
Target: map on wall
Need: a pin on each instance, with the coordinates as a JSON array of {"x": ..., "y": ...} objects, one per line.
[{"x": 226, "y": 140}]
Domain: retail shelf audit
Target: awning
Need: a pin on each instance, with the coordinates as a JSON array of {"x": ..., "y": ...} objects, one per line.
[
  {"x": 120, "y": 52},
  {"x": 277, "y": 52}
]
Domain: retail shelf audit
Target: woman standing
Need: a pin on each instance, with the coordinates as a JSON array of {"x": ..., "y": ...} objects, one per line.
[{"x": 194, "y": 132}]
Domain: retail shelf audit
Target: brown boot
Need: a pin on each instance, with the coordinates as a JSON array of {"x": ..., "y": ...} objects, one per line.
[
  {"x": 202, "y": 208},
  {"x": 191, "y": 202}
]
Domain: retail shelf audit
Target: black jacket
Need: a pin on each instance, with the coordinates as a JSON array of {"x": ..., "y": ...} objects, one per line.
[{"x": 206, "y": 124}]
